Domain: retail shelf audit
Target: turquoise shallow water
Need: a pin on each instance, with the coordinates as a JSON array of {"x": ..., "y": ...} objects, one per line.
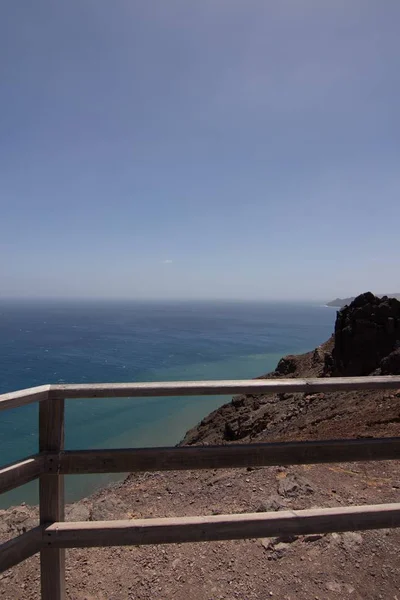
[{"x": 94, "y": 342}]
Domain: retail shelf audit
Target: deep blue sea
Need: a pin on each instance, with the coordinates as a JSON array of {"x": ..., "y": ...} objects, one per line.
[{"x": 88, "y": 341}]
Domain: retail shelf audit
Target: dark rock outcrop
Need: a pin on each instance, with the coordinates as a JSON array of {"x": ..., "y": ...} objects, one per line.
[{"x": 366, "y": 331}]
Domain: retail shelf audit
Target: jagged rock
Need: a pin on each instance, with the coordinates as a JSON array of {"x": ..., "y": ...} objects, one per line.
[
  {"x": 231, "y": 431},
  {"x": 294, "y": 486},
  {"x": 318, "y": 355},
  {"x": 286, "y": 365},
  {"x": 329, "y": 364}
]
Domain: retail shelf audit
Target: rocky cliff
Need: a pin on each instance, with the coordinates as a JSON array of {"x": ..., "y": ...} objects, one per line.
[{"x": 365, "y": 341}]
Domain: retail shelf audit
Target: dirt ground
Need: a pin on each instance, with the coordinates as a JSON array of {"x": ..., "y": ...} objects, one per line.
[{"x": 358, "y": 566}]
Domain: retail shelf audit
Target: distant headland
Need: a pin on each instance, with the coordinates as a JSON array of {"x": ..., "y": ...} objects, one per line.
[{"x": 340, "y": 302}]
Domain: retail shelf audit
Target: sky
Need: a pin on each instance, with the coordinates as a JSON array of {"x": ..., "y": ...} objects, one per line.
[{"x": 213, "y": 149}]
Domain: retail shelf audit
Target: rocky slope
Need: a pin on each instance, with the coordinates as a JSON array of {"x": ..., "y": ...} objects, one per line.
[{"x": 354, "y": 566}]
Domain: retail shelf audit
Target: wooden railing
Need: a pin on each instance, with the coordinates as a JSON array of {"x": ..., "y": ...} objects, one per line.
[{"x": 52, "y": 462}]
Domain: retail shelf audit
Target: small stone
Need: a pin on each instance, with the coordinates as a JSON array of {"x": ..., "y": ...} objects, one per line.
[
  {"x": 273, "y": 503},
  {"x": 281, "y": 547},
  {"x": 175, "y": 563},
  {"x": 277, "y": 546},
  {"x": 267, "y": 543},
  {"x": 333, "y": 586},
  {"x": 349, "y": 588}
]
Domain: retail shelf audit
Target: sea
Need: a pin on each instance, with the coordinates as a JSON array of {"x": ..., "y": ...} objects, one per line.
[{"x": 119, "y": 341}]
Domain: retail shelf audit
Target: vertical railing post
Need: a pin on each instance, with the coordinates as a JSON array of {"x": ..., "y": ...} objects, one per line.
[{"x": 51, "y": 498}]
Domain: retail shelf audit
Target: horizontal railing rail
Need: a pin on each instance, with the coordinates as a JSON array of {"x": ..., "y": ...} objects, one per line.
[
  {"x": 197, "y": 388},
  {"x": 19, "y": 548},
  {"x": 176, "y": 530},
  {"x": 53, "y": 462},
  {"x": 21, "y": 472},
  {"x": 75, "y": 462},
  {"x": 23, "y": 397}
]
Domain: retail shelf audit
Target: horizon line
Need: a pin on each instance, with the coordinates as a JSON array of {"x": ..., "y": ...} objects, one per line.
[{"x": 157, "y": 299}]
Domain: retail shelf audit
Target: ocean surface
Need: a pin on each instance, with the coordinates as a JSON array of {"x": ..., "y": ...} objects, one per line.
[{"x": 87, "y": 341}]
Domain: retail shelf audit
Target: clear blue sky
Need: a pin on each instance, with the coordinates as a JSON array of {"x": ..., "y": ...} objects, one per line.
[{"x": 209, "y": 149}]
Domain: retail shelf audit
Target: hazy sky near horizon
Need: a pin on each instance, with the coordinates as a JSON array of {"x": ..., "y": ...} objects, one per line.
[{"x": 210, "y": 149}]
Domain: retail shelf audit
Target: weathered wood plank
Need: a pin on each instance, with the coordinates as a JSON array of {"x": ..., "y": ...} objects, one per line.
[
  {"x": 219, "y": 457},
  {"x": 51, "y": 499},
  {"x": 23, "y": 397},
  {"x": 20, "y": 548},
  {"x": 19, "y": 473},
  {"x": 221, "y": 527},
  {"x": 196, "y": 388}
]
